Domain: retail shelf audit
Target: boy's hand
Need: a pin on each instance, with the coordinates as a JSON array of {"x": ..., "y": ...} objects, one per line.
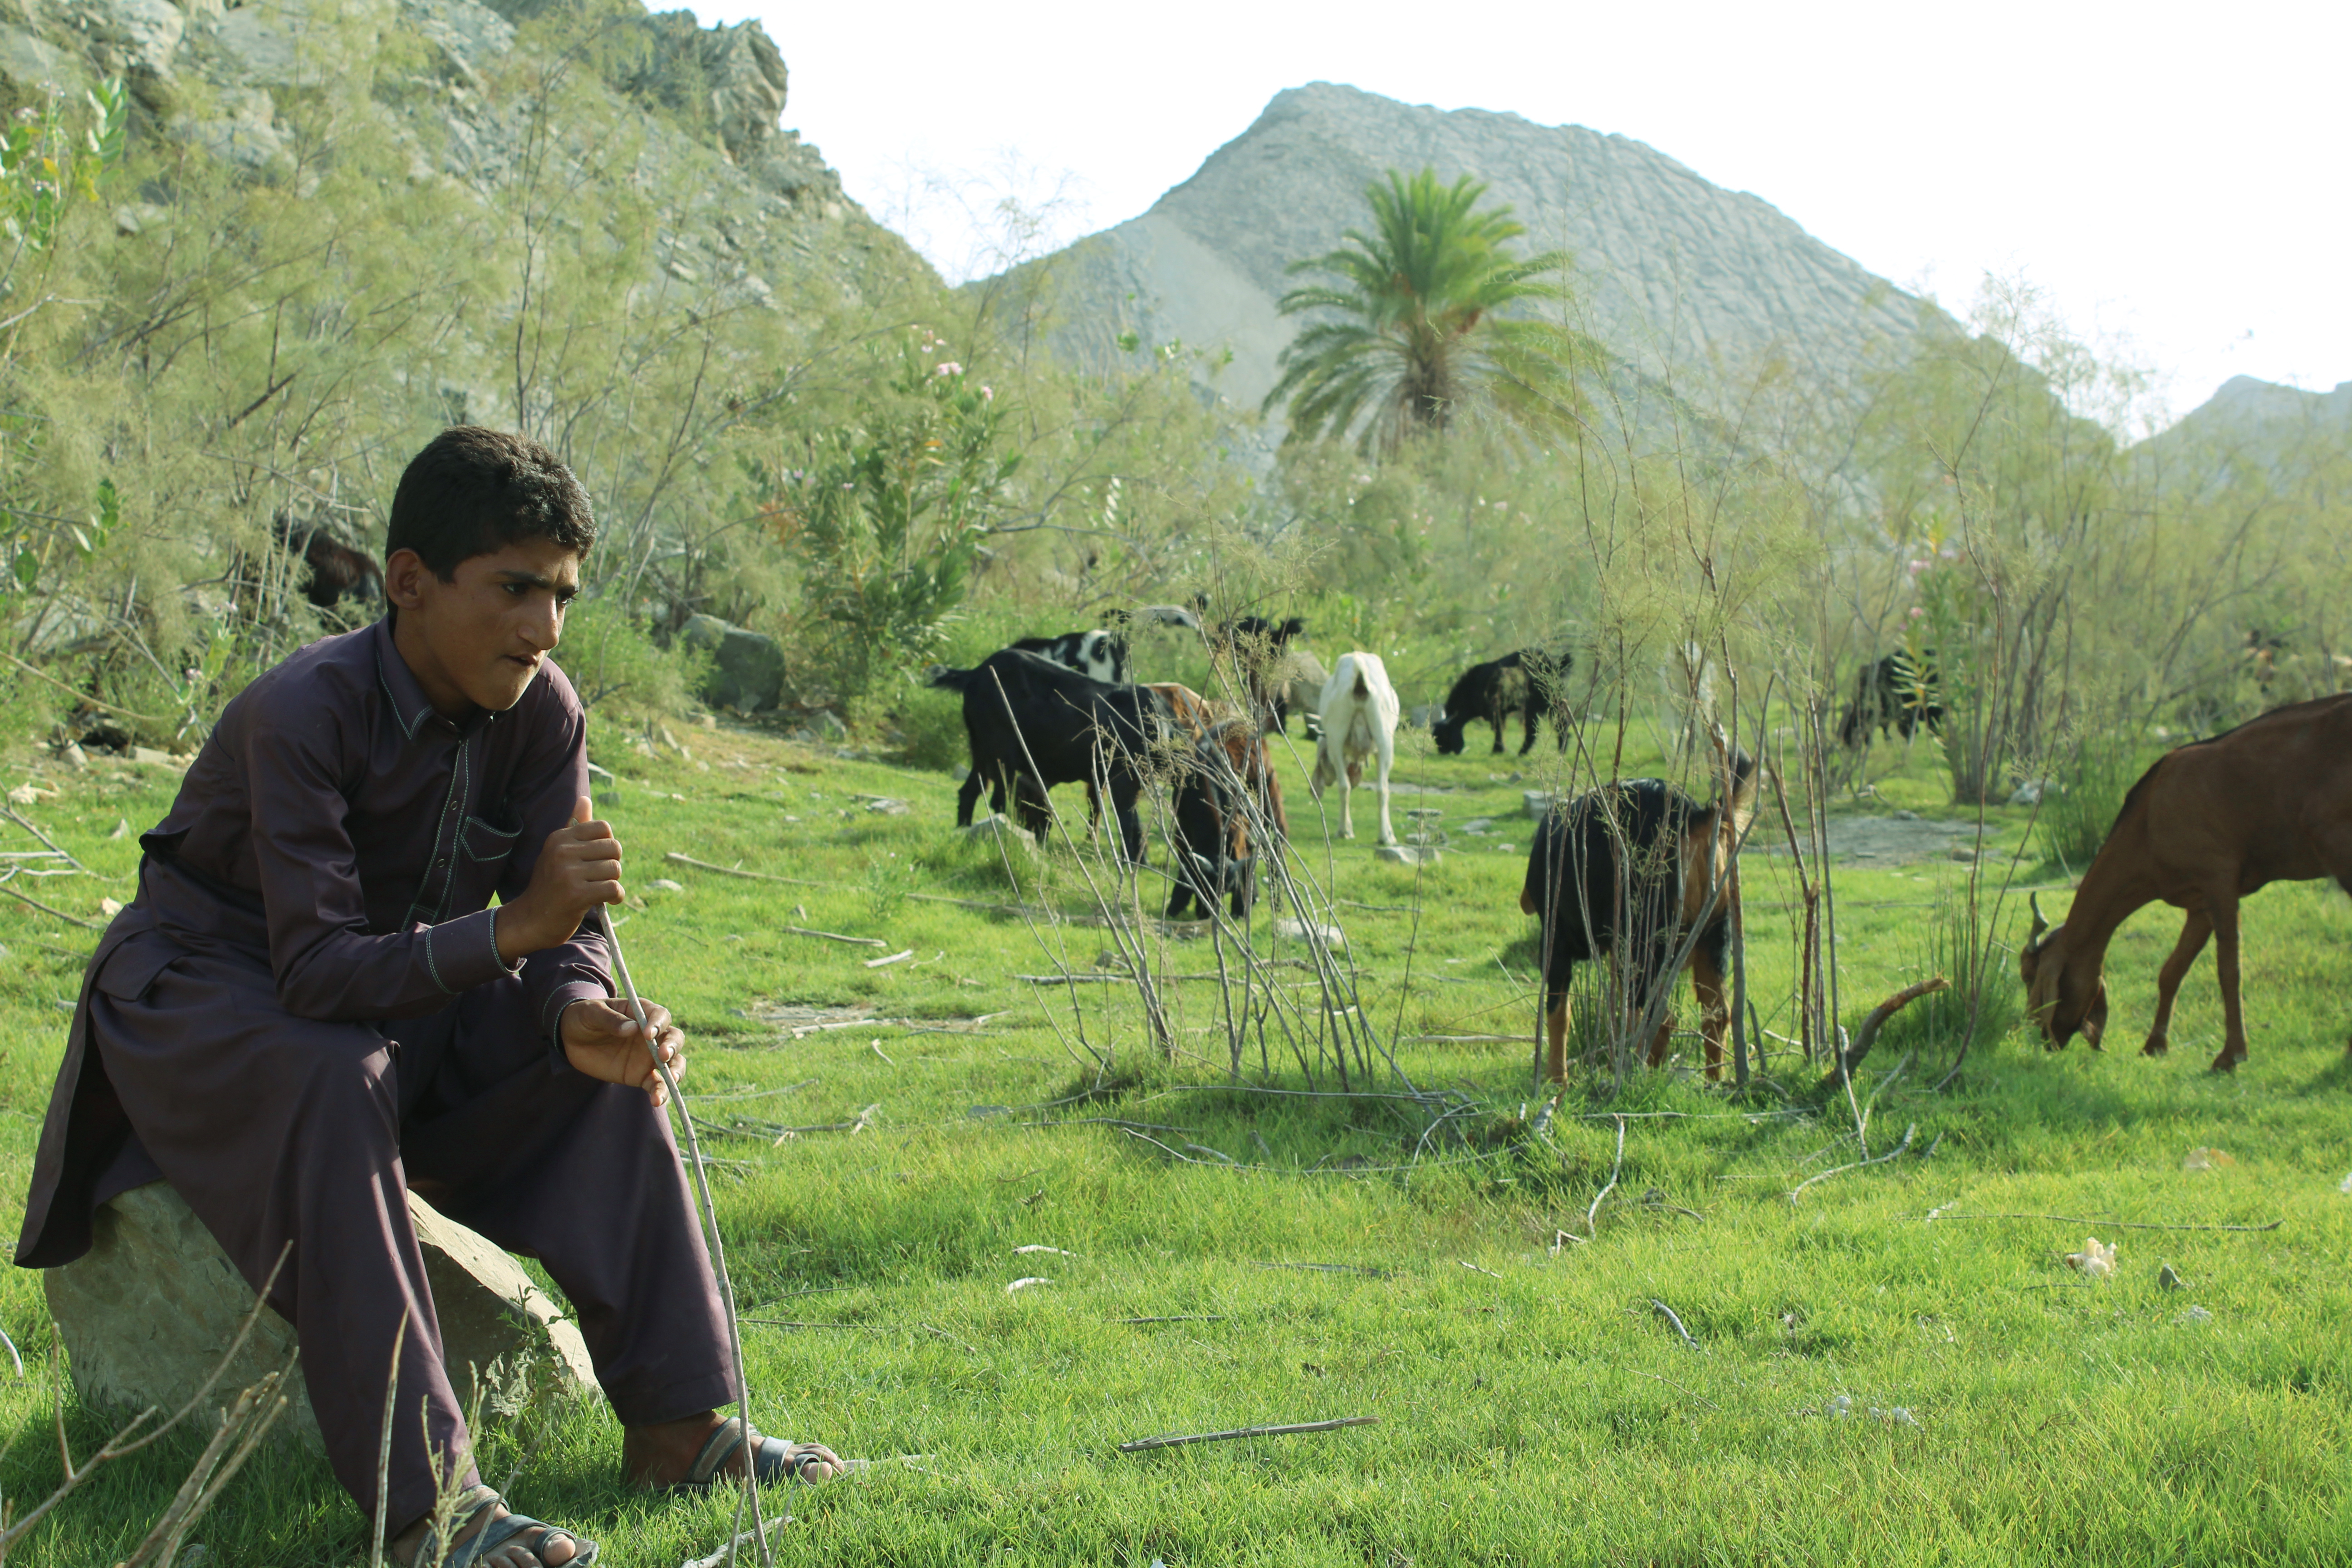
[
  {"x": 579, "y": 869},
  {"x": 601, "y": 1039}
]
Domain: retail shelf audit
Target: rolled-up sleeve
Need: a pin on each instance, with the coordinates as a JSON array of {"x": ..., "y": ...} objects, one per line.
[{"x": 328, "y": 965}]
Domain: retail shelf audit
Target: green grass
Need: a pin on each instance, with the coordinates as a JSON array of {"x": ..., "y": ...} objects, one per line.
[{"x": 1534, "y": 1408}]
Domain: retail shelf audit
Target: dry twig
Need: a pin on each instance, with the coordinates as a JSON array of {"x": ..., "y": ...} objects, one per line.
[{"x": 1141, "y": 1444}]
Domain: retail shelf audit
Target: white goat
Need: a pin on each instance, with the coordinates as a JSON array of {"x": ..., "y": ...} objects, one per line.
[{"x": 1359, "y": 718}]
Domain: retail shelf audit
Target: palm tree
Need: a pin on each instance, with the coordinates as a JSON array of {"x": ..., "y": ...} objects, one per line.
[{"x": 1414, "y": 328}]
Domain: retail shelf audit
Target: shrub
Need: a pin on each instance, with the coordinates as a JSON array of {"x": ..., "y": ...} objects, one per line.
[
  {"x": 2080, "y": 804},
  {"x": 620, "y": 670}
]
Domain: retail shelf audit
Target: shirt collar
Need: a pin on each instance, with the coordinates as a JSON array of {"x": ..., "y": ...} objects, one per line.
[{"x": 410, "y": 706}]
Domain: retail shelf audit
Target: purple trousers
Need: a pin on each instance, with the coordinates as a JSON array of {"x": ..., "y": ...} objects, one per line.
[{"x": 278, "y": 1129}]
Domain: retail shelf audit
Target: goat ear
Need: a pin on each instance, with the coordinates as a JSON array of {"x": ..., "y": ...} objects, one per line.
[{"x": 2041, "y": 925}]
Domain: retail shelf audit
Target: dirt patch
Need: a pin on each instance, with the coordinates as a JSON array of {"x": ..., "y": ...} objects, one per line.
[{"x": 1885, "y": 841}]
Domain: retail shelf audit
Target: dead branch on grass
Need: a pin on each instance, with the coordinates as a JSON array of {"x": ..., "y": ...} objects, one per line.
[
  {"x": 1141, "y": 1444},
  {"x": 1864, "y": 1036},
  {"x": 1898, "y": 1150}
]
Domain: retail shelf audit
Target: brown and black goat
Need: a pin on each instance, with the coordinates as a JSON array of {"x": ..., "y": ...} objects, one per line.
[
  {"x": 1641, "y": 875},
  {"x": 1227, "y": 784},
  {"x": 2270, "y": 801}
]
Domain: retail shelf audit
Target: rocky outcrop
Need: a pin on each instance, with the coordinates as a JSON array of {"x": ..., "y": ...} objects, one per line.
[
  {"x": 747, "y": 669},
  {"x": 1690, "y": 285},
  {"x": 147, "y": 1312}
]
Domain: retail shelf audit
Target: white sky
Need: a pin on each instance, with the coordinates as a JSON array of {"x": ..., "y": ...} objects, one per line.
[{"x": 2173, "y": 177}]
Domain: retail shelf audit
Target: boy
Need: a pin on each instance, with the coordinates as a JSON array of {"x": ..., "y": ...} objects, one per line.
[{"x": 311, "y": 1005}]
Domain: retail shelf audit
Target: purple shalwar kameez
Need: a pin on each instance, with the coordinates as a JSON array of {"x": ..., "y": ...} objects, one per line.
[{"x": 304, "y": 1011}]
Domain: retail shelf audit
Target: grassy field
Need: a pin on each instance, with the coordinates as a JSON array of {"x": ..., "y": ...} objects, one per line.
[{"x": 1895, "y": 1367}]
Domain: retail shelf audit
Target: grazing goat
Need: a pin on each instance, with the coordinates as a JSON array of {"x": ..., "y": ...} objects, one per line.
[
  {"x": 1895, "y": 692},
  {"x": 1228, "y": 781},
  {"x": 1631, "y": 872},
  {"x": 1526, "y": 682},
  {"x": 1034, "y": 724},
  {"x": 1103, "y": 654},
  {"x": 2270, "y": 801},
  {"x": 1258, "y": 648},
  {"x": 338, "y": 572},
  {"x": 1359, "y": 712}
]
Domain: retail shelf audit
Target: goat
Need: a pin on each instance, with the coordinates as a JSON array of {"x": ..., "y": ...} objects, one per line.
[
  {"x": 1359, "y": 712},
  {"x": 1257, "y": 647},
  {"x": 338, "y": 572},
  {"x": 1197, "y": 716},
  {"x": 1298, "y": 680},
  {"x": 1897, "y": 692},
  {"x": 1633, "y": 872},
  {"x": 2213, "y": 821},
  {"x": 1227, "y": 780},
  {"x": 1103, "y": 653},
  {"x": 1525, "y": 681},
  {"x": 1034, "y": 724}
]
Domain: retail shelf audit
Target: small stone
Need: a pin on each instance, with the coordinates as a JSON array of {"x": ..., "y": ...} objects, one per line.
[
  {"x": 663, "y": 885},
  {"x": 1299, "y": 931},
  {"x": 73, "y": 756},
  {"x": 1479, "y": 825},
  {"x": 2194, "y": 1315},
  {"x": 999, "y": 826},
  {"x": 1407, "y": 855},
  {"x": 708, "y": 721},
  {"x": 122, "y": 828},
  {"x": 2168, "y": 1279},
  {"x": 1538, "y": 802},
  {"x": 884, "y": 806},
  {"x": 1963, "y": 854}
]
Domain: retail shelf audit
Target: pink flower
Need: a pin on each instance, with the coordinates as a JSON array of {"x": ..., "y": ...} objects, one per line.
[
  {"x": 1915, "y": 567},
  {"x": 1917, "y": 612},
  {"x": 949, "y": 367},
  {"x": 987, "y": 395}
]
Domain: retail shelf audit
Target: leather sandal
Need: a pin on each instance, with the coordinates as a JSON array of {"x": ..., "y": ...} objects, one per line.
[
  {"x": 498, "y": 1533},
  {"x": 773, "y": 1459}
]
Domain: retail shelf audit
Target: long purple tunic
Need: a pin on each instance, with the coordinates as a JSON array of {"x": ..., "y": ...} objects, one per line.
[{"x": 304, "y": 1010}]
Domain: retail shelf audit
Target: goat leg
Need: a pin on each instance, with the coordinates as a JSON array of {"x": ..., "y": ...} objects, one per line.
[
  {"x": 2225, "y": 916},
  {"x": 2194, "y": 931}
]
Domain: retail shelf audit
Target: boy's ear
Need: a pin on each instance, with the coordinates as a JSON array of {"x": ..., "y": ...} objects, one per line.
[{"x": 404, "y": 574}]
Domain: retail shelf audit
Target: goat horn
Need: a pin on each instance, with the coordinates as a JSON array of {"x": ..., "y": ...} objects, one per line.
[{"x": 2040, "y": 926}]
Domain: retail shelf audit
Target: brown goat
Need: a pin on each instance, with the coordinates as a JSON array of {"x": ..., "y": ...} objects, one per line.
[
  {"x": 2270, "y": 801},
  {"x": 1199, "y": 715}
]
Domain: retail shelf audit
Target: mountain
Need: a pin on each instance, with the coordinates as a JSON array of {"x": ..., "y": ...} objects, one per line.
[{"x": 1686, "y": 283}]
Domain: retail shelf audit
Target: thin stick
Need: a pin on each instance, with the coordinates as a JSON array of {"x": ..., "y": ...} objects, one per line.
[
  {"x": 1179, "y": 1320},
  {"x": 834, "y": 936},
  {"x": 1592, "y": 1215},
  {"x": 12, "y": 1356},
  {"x": 26, "y": 824},
  {"x": 1141, "y": 1444},
  {"x": 1679, "y": 1388},
  {"x": 384, "y": 1444},
  {"x": 1858, "y": 1165},
  {"x": 718, "y": 1246},
  {"x": 1668, "y": 1313},
  {"x": 74, "y": 920},
  {"x": 2115, "y": 1224}
]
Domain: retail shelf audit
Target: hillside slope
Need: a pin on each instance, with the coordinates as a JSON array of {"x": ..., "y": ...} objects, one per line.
[{"x": 1689, "y": 284}]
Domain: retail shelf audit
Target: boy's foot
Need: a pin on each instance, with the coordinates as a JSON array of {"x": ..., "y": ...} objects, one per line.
[
  {"x": 666, "y": 1454},
  {"x": 534, "y": 1545}
]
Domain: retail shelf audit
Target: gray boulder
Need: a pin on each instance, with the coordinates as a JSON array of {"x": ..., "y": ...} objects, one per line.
[
  {"x": 147, "y": 1311},
  {"x": 747, "y": 670}
]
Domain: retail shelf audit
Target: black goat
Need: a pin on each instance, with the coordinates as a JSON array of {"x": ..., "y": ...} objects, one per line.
[
  {"x": 1625, "y": 873},
  {"x": 1259, "y": 649},
  {"x": 1527, "y": 682},
  {"x": 1034, "y": 724},
  {"x": 338, "y": 572},
  {"x": 1897, "y": 692}
]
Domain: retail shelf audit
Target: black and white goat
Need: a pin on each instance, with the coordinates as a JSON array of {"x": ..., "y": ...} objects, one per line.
[{"x": 1102, "y": 654}]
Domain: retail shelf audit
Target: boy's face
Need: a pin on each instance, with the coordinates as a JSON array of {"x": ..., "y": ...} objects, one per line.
[{"x": 477, "y": 641}]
